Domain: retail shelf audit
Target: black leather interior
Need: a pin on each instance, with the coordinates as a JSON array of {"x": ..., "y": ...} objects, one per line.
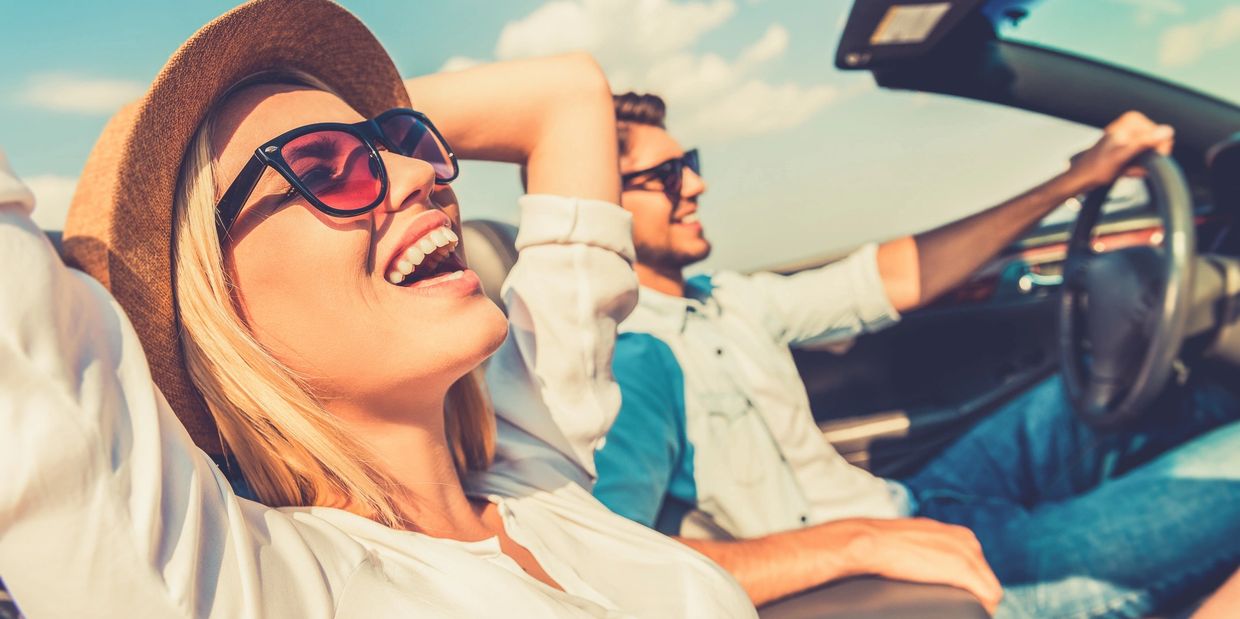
[{"x": 876, "y": 598}]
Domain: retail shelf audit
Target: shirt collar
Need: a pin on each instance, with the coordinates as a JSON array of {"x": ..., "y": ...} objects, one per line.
[{"x": 657, "y": 311}]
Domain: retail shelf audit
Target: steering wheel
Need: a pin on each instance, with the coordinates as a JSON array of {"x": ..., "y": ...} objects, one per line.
[{"x": 1122, "y": 313}]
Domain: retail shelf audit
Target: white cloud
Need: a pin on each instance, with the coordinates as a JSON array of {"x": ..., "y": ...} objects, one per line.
[
  {"x": 1146, "y": 12},
  {"x": 52, "y": 194},
  {"x": 651, "y": 46},
  {"x": 613, "y": 30},
  {"x": 772, "y": 45},
  {"x": 1185, "y": 44},
  {"x": 77, "y": 94},
  {"x": 756, "y": 107}
]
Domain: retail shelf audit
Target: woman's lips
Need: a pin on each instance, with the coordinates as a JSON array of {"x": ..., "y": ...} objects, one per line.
[
  {"x": 462, "y": 283},
  {"x": 426, "y": 234},
  {"x": 424, "y": 255}
]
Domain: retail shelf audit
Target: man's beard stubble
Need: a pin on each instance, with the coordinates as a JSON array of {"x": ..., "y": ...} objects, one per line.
[{"x": 663, "y": 258}]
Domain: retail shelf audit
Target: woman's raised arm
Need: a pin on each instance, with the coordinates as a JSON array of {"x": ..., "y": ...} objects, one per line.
[{"x": 552, "y": 115}]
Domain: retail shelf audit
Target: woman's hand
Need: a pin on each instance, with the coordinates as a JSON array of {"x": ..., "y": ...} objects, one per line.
[{"x": 552, "y": 115}]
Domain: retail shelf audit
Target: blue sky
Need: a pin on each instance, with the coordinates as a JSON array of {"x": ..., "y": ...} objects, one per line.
[{"x": 801, "y": 159}]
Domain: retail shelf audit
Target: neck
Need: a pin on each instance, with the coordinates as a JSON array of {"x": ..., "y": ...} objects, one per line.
[
  {"x": 665, "y": 279},
  {"x": 412, "y": 447}
]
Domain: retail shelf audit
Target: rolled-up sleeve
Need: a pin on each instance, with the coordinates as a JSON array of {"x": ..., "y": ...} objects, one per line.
[
  {"x": 572, "y": 284},
  {"x": 834, "y": 302}
]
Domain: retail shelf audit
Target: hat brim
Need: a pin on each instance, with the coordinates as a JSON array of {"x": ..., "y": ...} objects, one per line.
[{"x": 119, "y": 227}]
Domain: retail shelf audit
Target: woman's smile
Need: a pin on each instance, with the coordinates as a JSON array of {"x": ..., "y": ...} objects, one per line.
[{"x": 426, "y": 260}]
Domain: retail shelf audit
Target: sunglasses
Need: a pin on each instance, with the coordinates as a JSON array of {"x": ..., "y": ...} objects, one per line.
[
  {"x": 670, "y": 173},
  {"x": 336, "y": 167}
]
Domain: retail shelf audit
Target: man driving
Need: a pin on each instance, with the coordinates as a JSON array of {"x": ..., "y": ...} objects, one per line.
[{"x": 716, "y": 444}]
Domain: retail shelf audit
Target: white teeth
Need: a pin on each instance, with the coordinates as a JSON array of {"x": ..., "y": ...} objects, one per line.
[
  {"x": 454, "y": 275},
  {"x": 691, "y": 218},
  {"x": 414, "y": 256},
  {"x": 422, "y": 250}
]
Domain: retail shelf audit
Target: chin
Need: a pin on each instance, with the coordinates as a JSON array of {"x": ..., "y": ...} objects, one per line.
[
  {"x": 693, "y": 255},
  {"x": 495, "y": 325}
]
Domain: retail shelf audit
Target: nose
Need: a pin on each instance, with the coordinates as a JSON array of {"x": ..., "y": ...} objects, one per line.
[
  {"x": 692, "y": 186},
  {"x": 410, "y": 181}
]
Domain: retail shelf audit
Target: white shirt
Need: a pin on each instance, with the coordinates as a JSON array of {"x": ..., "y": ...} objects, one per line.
[
  {"x": 759, "y": 462},
  {"x": 108, "y": 509}
]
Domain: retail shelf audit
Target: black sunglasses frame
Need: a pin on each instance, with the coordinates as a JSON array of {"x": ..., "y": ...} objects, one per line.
[
  {"x": 672, "y": 168},
  {"x": 270, "y": 154}
]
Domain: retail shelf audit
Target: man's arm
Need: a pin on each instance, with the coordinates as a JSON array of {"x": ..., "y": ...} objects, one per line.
[
  {"x": 910, "y": 549},
  {"x": 917, "y": 269}
]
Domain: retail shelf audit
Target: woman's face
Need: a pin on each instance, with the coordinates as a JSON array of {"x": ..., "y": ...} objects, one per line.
[{"x": 316, "y": 289}]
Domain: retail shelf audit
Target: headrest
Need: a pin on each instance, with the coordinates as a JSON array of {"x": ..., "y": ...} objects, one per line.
[{"x": 490, "y": 250}]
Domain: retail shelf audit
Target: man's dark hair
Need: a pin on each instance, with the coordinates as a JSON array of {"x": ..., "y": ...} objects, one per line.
[{"x": 642, "y": 109}]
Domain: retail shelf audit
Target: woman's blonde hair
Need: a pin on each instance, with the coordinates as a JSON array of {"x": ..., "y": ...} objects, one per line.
[{"x": 290, "y": 449}]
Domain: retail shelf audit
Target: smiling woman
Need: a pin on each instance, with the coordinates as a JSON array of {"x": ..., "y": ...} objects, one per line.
[
  {"x": 239, "y": 358},
  {"x": 258, "y": 273}
]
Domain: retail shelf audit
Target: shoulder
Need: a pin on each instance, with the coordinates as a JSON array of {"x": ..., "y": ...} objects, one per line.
[
  {"x": 726, "y": 286},
  {"x": 740, "y": 293},
  {"x": 28, "y": 264}
]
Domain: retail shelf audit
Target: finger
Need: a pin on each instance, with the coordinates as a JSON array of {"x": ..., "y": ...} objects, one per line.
[
  {"x": 1157, "y": 138},
  {"x": 1166, "y": 145},
  {"x": 1160, "y": 136},
  {"x": 1132, "y": 120},
  {"x": 985, "y": 587}
]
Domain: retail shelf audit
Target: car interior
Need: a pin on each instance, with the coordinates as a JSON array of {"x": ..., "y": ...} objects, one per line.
[{"x": 890, "y": 401}]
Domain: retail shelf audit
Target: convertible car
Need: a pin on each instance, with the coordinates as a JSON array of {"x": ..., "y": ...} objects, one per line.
[
  {"x": 1163, "y": 255},
  {"x": 1161, "y": 251}
]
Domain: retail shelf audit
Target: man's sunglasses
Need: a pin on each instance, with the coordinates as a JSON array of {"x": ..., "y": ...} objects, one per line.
[
  {"x": 670, "y": 174},
  {"x": 336, "y": 167}
]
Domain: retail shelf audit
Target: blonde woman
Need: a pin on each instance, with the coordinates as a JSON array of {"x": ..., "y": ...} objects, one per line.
[{"x": 280, "y": 229}]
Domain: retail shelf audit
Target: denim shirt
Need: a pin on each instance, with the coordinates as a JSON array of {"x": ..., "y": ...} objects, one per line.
[{"x": 714, "y": 411}]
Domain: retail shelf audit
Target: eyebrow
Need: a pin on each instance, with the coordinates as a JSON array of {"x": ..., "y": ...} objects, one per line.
[
  {"x": 318, "y": 146},
  {"x": 272, "y": 182}
]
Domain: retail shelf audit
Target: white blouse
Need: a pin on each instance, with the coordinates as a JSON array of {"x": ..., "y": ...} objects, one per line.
[{"x": 108, "y": 509}]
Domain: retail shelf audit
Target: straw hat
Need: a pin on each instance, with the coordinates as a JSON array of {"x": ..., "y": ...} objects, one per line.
[{"x": 119, "y": 228}]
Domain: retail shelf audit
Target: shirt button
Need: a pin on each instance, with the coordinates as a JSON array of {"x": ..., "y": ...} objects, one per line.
[
  {"x": 804, "y": 519},
  {"x": 719, "y": 351}
]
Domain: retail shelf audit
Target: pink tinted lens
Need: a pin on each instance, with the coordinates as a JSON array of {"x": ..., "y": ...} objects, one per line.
[
  {"x": 411, "y": 138},
  {"x": 337, "y": 167}
]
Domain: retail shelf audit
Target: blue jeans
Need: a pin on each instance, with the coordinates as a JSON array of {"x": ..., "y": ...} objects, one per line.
[{"x": 1080, "y": 523}]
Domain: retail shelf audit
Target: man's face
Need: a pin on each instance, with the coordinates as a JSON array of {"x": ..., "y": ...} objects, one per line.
[{"x": 666, "y": 230}]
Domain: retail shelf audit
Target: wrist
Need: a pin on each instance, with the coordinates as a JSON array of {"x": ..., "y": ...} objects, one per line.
[
  {"x": 852, "y": 547},
  {"x": 1071, "y": 183}
]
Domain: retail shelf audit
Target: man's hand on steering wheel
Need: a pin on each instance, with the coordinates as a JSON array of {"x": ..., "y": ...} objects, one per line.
[
  {"x": 1124, "y": 313},
  {"x": 1126, "y": 137}
]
